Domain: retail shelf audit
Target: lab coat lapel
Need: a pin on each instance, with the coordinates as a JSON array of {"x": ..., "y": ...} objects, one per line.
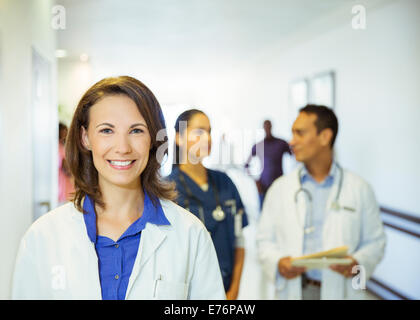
[
  {"x": 301, "y": 203},
  {"x": 331, "y": 230},
  {"x": 87, "y": 272},
  {"x": 91, "y": 267},
  {"x": 333, "y": 192},
  {"x": 151, "y": 239}
]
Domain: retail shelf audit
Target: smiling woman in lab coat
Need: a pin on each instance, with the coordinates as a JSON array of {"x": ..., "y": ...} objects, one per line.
[{"x": 122, "y": 237}]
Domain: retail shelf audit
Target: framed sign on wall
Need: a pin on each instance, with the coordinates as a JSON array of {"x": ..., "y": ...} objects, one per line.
[
  {"x": 298, "y": 97},
  {"x": 322, "y": 89}
]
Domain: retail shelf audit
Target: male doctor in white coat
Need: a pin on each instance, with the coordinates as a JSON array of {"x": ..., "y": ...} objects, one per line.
[{"x": 317, "y": 207}]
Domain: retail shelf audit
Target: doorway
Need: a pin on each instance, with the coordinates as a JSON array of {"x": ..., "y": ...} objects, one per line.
[{"x": 42, "y": 146}]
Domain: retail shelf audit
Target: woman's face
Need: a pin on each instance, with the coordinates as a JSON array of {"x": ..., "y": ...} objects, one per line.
[
  {"x": 119, "y": 140},
  {"x": 196, "y": 139}
]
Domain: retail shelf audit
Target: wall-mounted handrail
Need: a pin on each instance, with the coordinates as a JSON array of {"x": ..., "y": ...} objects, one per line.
[{"x": 403, "y": 216}]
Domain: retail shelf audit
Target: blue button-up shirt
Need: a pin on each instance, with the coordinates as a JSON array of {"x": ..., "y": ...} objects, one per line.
[
  {"x": 320, "y": 192},
  {"x": 116, "y": 259}
]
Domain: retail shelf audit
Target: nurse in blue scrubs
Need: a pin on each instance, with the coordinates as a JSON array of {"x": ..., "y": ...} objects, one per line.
[{"x": 210, "y": 195}]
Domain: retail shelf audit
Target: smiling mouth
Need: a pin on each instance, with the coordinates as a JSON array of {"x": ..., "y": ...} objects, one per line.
[{"x": 121, "y": 165}]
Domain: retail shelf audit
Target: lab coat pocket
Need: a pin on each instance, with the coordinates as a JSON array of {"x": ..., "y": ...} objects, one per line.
[
  {"x": 350, "y": 221},
  {"x": 349, "y": 213},
  {"x": 167, "y": 290}
]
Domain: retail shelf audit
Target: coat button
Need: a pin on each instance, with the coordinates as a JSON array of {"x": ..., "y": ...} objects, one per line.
[
  {"x": 117, "y": 277},
  {"x": 117, "y": 245}
]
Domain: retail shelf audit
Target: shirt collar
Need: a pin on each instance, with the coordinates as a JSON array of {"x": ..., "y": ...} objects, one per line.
[
  {"x": 305, "y": 175},
  {"x": 151, "y": 213}
]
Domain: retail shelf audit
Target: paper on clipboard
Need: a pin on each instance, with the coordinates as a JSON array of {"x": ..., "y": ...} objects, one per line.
[
  {"x": 323, "y": 259},
  {"x": 320, "y": 263}
]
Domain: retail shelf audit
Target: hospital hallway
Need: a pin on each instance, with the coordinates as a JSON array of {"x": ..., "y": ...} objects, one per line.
[{"x": 243, "y": 63}]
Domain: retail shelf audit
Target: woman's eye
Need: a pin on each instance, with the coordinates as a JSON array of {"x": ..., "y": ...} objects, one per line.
[
  {"x": 106, "y": 131},
  {"x": 137, "y": 131}
]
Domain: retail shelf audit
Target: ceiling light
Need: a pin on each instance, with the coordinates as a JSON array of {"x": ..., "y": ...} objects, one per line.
[
  {"x": 60, "y": 53},
  {"x": 84, "y": 57}
]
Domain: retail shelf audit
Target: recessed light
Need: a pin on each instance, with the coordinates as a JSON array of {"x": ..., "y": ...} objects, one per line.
[
  {"x": 84, "y": 57},
  {"x": 60, "y": 53}
]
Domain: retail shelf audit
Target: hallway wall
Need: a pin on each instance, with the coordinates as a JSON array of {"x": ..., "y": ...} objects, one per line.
[
  {"x": 377, "y": 77},
  {"x": 378, "y": 107},
  {"x": 23, "y": 24}
]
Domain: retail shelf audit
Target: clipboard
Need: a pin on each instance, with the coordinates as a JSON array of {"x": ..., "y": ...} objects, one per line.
[
  {"x": 323, "y": 259},
  {"x": 320, "y": 263}
]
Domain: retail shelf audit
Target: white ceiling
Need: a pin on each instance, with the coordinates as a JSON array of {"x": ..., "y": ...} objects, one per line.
[{"x": 183, "y": 30}]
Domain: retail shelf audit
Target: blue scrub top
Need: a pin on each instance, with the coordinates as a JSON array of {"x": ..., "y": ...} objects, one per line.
[{"x": 222, "y": 232}]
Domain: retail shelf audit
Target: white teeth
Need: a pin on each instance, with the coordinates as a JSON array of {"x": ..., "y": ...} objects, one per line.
[{"x": 121, "y": 163}]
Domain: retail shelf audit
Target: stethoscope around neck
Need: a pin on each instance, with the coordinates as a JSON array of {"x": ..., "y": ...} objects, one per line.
[
  {"x": 218, "y": 213},
  {"x": 335, "y": 205}
]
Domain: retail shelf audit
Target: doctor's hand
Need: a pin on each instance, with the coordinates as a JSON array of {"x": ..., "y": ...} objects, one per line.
[
  {"x": 287, "y": 270},
  {"x": 345, "y": 270}
]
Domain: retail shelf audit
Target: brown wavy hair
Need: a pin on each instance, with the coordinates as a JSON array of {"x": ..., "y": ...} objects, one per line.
[{"x": 80, "y": 159}]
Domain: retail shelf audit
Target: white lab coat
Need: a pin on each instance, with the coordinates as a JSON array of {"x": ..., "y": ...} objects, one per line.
[
  {"x": 57, "y": 260},
  {"x": 280, "y": 234}
]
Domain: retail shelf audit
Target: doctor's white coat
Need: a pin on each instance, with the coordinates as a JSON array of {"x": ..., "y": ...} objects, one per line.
[
  {"x": 57, "y": 260},
  {"x": 280, "y": 234}
]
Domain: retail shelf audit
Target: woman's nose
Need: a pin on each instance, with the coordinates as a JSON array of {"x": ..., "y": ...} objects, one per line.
[{"x": 123, "y": 144}]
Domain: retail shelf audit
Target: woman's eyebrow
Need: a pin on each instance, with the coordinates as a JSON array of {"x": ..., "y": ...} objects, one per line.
[
  {"x": 138, "y": 124},
  {"x": 112, "y": 126},
  {"x": 105, "y": 124}
]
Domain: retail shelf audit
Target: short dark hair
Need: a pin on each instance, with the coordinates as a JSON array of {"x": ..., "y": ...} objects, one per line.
[
  {"x": 326, "y": 119},
  {"x": 80, "y": 160}
]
